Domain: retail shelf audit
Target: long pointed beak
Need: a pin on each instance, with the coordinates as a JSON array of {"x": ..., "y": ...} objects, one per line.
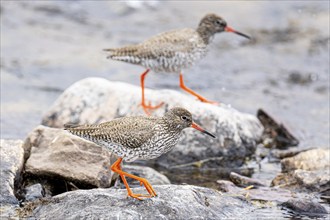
[
  {"x": 197, "y": 127},
  {"x": 229, "y": 29}
]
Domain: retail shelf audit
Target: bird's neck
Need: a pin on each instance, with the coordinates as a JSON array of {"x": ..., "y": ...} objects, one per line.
[
  {"x": 205, "y": 34},
  {"x": 171, "y": 127}
]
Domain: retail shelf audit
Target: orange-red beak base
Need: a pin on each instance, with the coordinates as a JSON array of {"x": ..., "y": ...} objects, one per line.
[
  {"x": 197, "y": 127},
  {"x": 229, "y": 29}
]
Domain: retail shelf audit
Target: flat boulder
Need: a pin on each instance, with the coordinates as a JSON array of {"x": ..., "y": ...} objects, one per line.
[
  {"x": 172, "y": 202},
  {"x": 56, "y": 154}
]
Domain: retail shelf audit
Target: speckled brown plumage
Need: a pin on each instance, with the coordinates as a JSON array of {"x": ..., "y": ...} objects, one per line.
[
  {"x": 138, "y": 137},
  {"x": 173, "y": 51}
]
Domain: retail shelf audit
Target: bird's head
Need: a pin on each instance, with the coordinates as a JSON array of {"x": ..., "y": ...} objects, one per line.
[
  {"x": 180, "y": 118},
  {"x": 213, "y": 24}
]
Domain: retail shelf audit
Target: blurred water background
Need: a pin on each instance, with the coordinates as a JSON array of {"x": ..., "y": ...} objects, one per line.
[{"x": 48, "y": 45}]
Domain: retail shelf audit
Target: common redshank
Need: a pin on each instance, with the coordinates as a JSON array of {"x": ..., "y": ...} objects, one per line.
[
  {"x": 173, "y": 51},
  {"x": 138, "y": 137}
]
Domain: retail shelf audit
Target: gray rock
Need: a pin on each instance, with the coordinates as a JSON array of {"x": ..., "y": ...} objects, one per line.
[
  {"x": 11, "y": 165},
  {"x": 303, "y": 180},
  {"x": 315, "y": 180},
  {"x": 244, "y": 181},
  {"x": 228, "y": 186},
  {"x": 292, "y": 151},
  {"x": 309, "y": 160},
  {"x": 270, "y": 197},
  {"x": 306, "y": 171},
  {"x": 172, "y": 202},
  {"x": 12, "y": 159},
  {"x": 33, "y": 192},
  {"x": 275, "y": 134},
  {"x": 309, "y": 208},
  {"x": 9, "y": 211},
  {"x": 325, "y": 195},
  {"x": 95, "y": 100},
  {"x": 262, "y": 193},
  {"x": 54, "y": 153}
]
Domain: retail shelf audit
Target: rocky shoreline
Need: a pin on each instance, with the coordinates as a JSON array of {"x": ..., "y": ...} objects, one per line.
[{"x": 52, "y": 174}]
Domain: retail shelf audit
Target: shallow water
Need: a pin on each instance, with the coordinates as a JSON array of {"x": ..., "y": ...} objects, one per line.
[{"x": 48, "y": 45}]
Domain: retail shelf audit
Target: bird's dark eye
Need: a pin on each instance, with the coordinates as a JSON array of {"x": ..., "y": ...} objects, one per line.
[
  {"x": 184, "y": 118},
  {"x": 220, "y": 23}
]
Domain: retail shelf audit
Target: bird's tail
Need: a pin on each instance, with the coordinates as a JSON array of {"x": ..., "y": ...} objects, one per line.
[
  {"x": 68, "y": 126},
  {"x": 126, "y": 54},
  {"x": 84, "y": 131}
]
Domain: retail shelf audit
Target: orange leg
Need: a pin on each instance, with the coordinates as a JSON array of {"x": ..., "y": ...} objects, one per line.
[
  {"x": 201, "y": 98},
  {"x": 144, "y": 105},
  {"x": 116, "y": 168}
]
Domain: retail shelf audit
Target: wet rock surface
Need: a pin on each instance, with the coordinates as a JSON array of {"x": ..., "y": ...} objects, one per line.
[
  {"x": 306, "y": 171},
  {"x": 259, "y": 193},
  {"x": 309, "y": 208},
  {"x": 301, "y": 204},
  {"x": 237, "y": 133},
  {"x": 172, "y": 202},
  {"x": 302, "y": 192}
]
